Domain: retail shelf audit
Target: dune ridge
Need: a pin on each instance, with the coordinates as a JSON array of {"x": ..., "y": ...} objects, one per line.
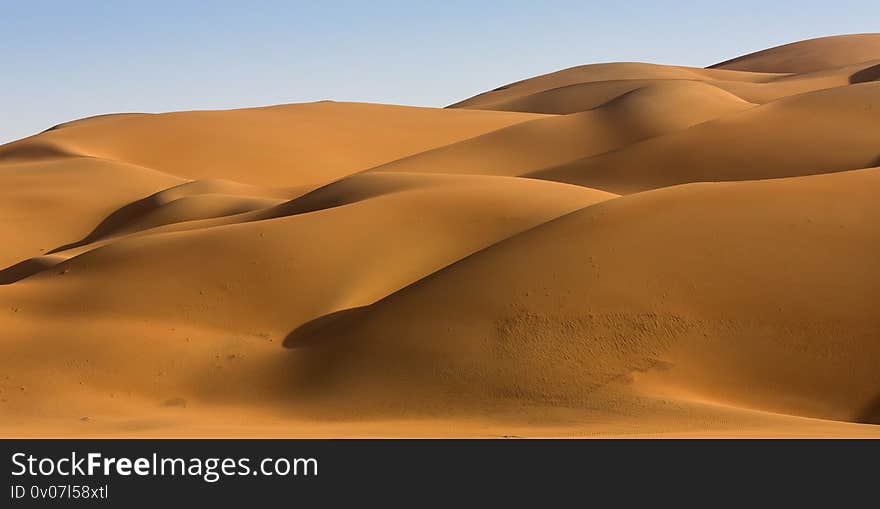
[{"x": 619, "y": 249}]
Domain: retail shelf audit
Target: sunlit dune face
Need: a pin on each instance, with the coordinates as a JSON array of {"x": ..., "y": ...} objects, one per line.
[{"x": 607, "y": 250}]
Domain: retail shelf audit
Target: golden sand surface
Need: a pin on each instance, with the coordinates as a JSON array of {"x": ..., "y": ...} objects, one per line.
[{"x": 611, "y": 250}]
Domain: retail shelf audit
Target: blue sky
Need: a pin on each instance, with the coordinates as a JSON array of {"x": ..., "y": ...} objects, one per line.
[{"x": 67, "y": 60}]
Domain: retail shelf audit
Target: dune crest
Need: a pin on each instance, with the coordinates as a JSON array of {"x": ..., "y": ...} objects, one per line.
[
  {"x": 808, "y": 56},
  {"x": 617, "y": 249}
]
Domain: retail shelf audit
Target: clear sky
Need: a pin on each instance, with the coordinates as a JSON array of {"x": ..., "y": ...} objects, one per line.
[{"x": 71, "y": 59}]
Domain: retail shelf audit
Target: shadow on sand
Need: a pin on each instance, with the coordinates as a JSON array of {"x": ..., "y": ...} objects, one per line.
[
  {"x": 328, "y": 325},
  {"x": 865, "y": 75},
  {"x": 27, "y": 268}
]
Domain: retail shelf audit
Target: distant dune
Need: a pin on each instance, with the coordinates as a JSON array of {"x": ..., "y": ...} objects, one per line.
[
  {"x": 619, "y": 249},
  {"x": 809, "y": 56}
]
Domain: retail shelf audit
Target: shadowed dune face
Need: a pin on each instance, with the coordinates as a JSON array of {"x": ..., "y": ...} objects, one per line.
[
  {"x": 612, "y": 249},
  {"x": 27, "y": 268},
  {"x": 871, "y": 73}
]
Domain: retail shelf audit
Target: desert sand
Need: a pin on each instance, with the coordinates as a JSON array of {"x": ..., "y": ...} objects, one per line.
[{"x": 611, "y": 250}]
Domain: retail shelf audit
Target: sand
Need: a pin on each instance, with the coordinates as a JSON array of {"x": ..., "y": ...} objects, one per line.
[{"x": 611, "y": 250}]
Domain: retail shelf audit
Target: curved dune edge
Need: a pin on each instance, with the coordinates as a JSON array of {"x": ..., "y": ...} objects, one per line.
[
  {"x": 611, "y": 250},
  {"x": 626, "y": 308},
  {"x": 812, "y": 133},
  {"x": 808, "y": 56}
]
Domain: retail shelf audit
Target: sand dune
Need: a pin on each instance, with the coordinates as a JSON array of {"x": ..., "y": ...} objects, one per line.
[
  {"x": 680, "y": 292},
  {"x": 818, "y": 132},
  {"x": 597, "y": 74},
  {"x": 404, "y": 227},
  {"x": 288, "y": 145},
  {"x": 808, "y": 56},
  {"x": 622, "y": 249},
  {"x": 652, "y": 110},
  {"x": 45, "y": 203},
  {"x": 586, "y": 87}
]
